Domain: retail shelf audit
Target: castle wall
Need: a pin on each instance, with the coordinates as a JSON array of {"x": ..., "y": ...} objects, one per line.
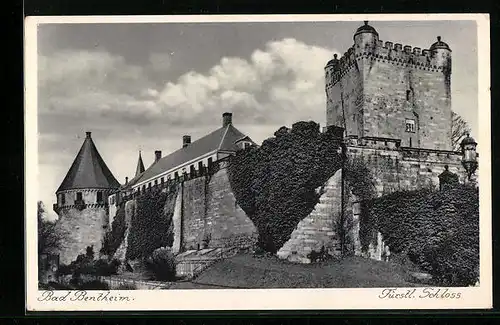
[
  {"x": 193, "y": 212},
  {"x": 227, "y": 223},
  {"x": 80, "y": 229},
  {"x": 344, "y": 101},
  {"x": 368, "y": 89},
  {"x": 320, "y": 228},
  {"x": 208, "y": 214},
  {"x": 387, "y": 105}
]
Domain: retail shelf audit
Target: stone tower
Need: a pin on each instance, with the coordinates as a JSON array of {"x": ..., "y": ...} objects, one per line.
[
  {"x": 387, "y": 90},
  {"x": 82, "y": 202}
]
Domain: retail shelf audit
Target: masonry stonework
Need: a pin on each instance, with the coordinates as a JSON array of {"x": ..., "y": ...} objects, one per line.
[
  {"x": 375, "y": 88},
  {"x": 80, "y": 229}
]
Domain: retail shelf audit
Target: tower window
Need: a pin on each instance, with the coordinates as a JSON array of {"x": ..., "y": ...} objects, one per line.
[
  {"x": 410, "y": 126},
  {"x": 79, "y": 196},
  {"x": 99, "y": 197},
  {"x": 408, "y": 95}
]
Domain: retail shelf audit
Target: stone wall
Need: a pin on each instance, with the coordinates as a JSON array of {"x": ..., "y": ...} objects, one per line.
[
  {"x": 391, "y": 169},
  {"x": 193, "y": 212},
  {"x": 319, "y": 229},
  {"x": 373, "y": 91},
  {"x": 130, "y": 210},
  {"x": 80, "y": 229},
  {"x": 210, "y": 214}
]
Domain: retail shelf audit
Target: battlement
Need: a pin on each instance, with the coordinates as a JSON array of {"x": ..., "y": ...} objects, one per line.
[{"x": 387, "y": 52}]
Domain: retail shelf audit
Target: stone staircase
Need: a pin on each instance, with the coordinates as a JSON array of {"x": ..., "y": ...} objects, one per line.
[{"x": 318, "y": 229}]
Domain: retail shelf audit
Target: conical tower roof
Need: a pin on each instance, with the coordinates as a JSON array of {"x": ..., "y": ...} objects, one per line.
[
  {"x": 88, "y": 170},
  {"x": 140, "y": 166}
]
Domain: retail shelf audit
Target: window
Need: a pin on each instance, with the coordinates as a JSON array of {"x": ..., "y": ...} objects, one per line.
[
  {"x": 79, "y": 196},
  {"x": 191, "y": 169},
  {"x": 99, "y": 197},
  {"x": 168, "y": 177},
  {"x": 200, "y": 165},
  {"x": 209, "y": 162},
  {"x": 162, "y": 181},
  {"x": 410, "y": 125},
  {"x": 143, "y": 188},
  {"x": 247, "y": 145},
  {"x": 156, "y": 182},
  {"x": 63, "y": 199},
  {"x": 176, "y": 175},
  {"x": 410, "y": 143},
  {"x": 408, "y": 95}
]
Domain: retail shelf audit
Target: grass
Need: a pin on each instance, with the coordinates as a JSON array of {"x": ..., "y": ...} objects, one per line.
[{"x": 248, "y": 271}]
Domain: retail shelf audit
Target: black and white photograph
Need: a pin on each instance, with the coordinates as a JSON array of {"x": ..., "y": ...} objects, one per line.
[{"x": 238, "y": 158}]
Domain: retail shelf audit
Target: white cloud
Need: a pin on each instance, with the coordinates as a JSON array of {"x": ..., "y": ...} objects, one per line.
[{"x": 280, "y": 84}]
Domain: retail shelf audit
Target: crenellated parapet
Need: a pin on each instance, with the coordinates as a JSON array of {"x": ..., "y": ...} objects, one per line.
[{"x": 435, "y": 59}]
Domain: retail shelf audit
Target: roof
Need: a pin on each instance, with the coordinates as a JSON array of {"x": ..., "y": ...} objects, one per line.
[
  {"x": 439, "y": 45},
  {"x": 468, "y": 140},
  {"x": 365, "y": 29},
  {"x": 222, "y": 139},
  {"x": 88, "y": 170},
  {"x": 140, "y": 166}
]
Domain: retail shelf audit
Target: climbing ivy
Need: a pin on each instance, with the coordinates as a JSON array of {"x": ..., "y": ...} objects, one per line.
[
  {"x": 113, "y": 238},
  {"x": 275, "y": 184},
  {"x": 151, "y": 225},
  {"x": 438, "y": 230}
]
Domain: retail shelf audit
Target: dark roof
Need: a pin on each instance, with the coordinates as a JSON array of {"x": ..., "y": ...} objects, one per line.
[
  {"x": 468, "y": 140},
  {"x": 88, "y": 170},
  {"x": 140, "y": 166},
  {"x": 439, "y": 45},
  {"x": 366, "y": 29},
  {"x": 223, "y": 139}
]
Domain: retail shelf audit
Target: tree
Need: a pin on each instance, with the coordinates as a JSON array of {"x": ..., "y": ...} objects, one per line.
[
  {"x": 48, "y": 238},
  {"x": 459, "y": 129}
]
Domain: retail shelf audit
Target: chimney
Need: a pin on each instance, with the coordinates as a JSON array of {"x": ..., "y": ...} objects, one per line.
[
  {"x": 157, "y": 155},
  {"x": 88, "y": 134},
  {"x": 227, "y": 118},
  {"x": 126, "y": 180},
  {"x": 186, "y": 140}
]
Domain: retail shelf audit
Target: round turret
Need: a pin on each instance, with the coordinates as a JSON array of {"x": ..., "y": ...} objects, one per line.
[
  {"x": 365, "y": 37},
  {"x": 441, "y": 52}
]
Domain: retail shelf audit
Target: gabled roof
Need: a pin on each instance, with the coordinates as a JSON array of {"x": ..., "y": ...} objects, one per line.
[
  {"x": 222, "y": 139},
  {"x": 88, "y": 170}
]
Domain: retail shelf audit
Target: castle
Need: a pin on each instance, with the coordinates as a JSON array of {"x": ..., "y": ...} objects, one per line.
[{"x": 394, "y": 105}]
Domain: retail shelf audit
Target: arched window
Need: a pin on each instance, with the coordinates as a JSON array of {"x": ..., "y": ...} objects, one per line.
[{"x": 408, "y": 95}]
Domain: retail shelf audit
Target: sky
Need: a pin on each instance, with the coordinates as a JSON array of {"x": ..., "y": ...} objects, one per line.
[{"x": 143, "y": 86}]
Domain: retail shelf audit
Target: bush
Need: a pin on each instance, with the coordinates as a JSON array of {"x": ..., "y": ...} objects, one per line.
[
  {"x": 275, "y": 184},
  {"x": 151, "y": 227},
  {"x": 162, "y": 264},
  {"x": 438, "y": 230}
]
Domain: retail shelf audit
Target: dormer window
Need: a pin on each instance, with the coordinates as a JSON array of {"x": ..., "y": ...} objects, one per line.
[{"x": 410, "y": 125}]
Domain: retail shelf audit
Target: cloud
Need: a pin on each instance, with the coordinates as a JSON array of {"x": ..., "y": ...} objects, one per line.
[
  {"x": 282, "y": 83},
  {"x": 160, "y": 62},
  {"x": 125, "y": 109}
]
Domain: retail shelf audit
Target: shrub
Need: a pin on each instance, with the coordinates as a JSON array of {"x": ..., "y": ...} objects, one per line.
[
  {"x": 438, "y": 230},
  {"x": 162, "y": 264},
  {"x": 275, "y": 184},
  {"x": 151, "y": 227}
]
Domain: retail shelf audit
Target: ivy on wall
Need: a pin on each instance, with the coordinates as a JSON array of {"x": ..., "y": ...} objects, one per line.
[
  {"x": 113, "y": 238},
  {"x": 275, "y": 184},
  {"x": 438, "y": 230},
  {"x": 151, "y": 227}
]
